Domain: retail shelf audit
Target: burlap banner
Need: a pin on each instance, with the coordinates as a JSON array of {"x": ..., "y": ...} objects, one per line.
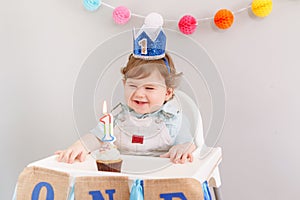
[
  {"x": 101, "y": 188},
  {"x": 37, "y": 183},
  {"x": 169, "y": 189}
]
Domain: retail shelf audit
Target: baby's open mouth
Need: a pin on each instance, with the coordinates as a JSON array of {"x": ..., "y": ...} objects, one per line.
[{"x": 140, "y": 102}]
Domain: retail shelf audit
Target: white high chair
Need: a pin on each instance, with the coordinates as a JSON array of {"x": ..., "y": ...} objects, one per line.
[
  {"x": 191, "y": 115},
  {"x": 203, "y": 168}
]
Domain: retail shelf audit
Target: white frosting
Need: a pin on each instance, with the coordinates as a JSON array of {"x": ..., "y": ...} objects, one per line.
[{"x": 108, "y": 154}]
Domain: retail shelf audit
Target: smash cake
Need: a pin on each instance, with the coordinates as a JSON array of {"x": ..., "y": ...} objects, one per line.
[{"x": 108, "y": 158}]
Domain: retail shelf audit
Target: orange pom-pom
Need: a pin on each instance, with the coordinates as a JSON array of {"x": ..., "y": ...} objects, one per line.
[{"x": 223, "y": 19}]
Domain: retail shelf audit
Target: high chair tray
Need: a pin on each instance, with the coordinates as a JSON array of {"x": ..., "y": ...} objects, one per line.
[{"x": 144, "y": 167}]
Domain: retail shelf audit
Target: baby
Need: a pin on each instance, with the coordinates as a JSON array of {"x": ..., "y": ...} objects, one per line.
[
  {"x": 149, "y": 122},
  {"x": 149, "y": 89}
]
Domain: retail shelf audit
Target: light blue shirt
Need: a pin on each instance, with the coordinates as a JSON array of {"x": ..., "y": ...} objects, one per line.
[{"x": 170, "y": 113}]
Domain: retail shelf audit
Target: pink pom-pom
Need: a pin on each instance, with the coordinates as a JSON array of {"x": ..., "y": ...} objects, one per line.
[
  {"x": 187, "y": 24},
  {"x": 121, "y": 15}
]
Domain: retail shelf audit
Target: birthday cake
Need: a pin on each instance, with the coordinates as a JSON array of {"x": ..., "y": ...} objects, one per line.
[{"x": 108, "y": 158}]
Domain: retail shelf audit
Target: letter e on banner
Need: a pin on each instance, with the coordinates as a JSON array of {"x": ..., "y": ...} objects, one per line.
[
  {"x": 170, "y": 196},
  {"x": 174, "y": 188}
]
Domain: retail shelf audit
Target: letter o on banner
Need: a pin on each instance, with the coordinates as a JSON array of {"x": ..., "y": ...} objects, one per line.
[
  {"x": 36, "y": 183},
  {"x": 36, "y": 191}
]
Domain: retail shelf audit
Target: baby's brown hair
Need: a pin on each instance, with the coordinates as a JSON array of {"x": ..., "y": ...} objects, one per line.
[{"x": 140, "y": 68}]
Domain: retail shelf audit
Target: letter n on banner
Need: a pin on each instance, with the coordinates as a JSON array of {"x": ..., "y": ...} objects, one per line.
[
  {"x": 37, "y": 183},
  {"x": 175, "y": 188},
  {"x": 101, "y": 188}
]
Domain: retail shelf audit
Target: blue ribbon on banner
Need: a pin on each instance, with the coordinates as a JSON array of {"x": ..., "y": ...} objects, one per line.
[
  {"x": 71, "y": 193},
  {"x": 206, "y": 192},
  {"x": 15, "y": 193},
  {"x": 137, "y": 190}
]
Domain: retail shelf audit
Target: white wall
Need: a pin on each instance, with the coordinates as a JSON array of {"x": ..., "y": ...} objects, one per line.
[{"x": 42, "y": 46}]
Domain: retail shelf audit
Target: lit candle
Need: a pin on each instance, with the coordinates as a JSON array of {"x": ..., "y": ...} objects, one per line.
[{"x": 107, "y": 121}]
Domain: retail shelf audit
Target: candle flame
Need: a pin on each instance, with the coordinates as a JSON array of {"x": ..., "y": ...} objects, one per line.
[{"x": 104, "y": 108}]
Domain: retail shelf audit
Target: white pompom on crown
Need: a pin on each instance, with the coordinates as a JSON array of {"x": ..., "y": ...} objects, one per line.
[{"x": 153, "y": 20}]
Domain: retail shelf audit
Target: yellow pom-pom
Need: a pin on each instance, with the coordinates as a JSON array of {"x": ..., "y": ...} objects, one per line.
[{"x": 262, "y": 8}]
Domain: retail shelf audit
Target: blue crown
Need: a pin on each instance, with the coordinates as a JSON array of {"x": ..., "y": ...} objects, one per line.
[{"x": 149, "y": 43}]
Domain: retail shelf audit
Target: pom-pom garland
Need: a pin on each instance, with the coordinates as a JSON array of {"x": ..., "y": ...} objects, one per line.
[
  {"x": 223, "y": 19},
  {"x": 91, "y": 5},
  {"x": 187, "y": 24},
  {"x": 261, "y": 8},
  {"x": 121, "y": 15}
]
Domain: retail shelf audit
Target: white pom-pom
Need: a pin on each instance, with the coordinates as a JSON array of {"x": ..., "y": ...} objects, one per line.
[{"x": 154, "y": 20}]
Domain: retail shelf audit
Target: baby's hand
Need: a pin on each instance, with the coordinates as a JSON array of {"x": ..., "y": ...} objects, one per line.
[
  {"x": 180, "y": 153},
  {"x": 75, "y": 151}
]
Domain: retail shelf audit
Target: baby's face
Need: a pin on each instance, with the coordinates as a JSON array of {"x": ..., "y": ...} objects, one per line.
[{"x": 148, "y": 94}]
